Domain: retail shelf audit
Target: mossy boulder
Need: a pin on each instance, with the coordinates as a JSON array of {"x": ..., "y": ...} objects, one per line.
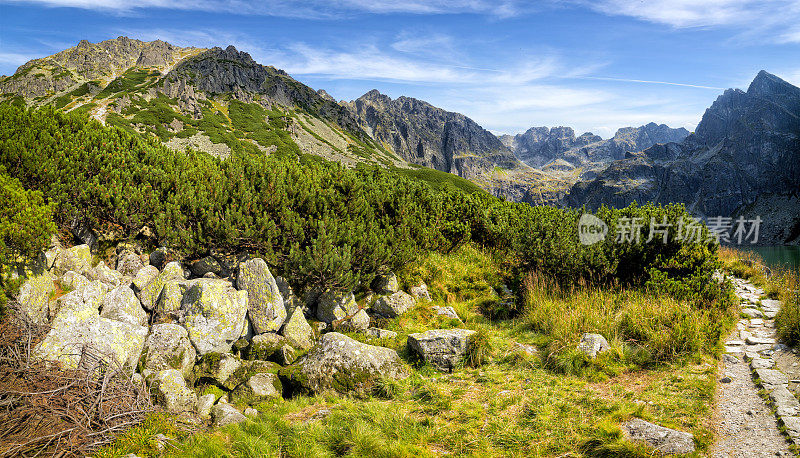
[
  {"x": 169, "y": 388},
  {"x": 443, "y": 349},
  {"x": 393, "y": 305},
  {"x": 259, "y": 387},
  {"x": 168, "y": 305},
  {"x": 342, "y": 364},
  {"x": 214, "y": 314},
  {"x": 385, "y": 284},
  {"x": 105, "y": 274},
  {"x": 34, "y": 297},
  {"x": 219, "y": 368},
  {"x": 77, "y": 259},
  {"x": 265, "y": 303},
  {"x": 298, "y": 332},
  {"x": 334, "y": 305},
  {"x": 272, "y": 347},
  {"x": 168, "y": 347}
]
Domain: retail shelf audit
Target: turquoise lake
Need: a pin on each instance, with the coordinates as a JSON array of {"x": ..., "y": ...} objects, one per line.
[{"x": 776, "y": 256}]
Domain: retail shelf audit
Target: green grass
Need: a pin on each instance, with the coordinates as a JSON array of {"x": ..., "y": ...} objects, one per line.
[
  {"x": 127, "y": 82},
  {"x": 437, "y": 178}
]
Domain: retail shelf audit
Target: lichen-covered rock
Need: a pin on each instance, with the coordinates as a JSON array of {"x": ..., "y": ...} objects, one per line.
[
  {"x": 105, "y": 275},
  {"x": 265, "y": 303},
  {"x": 393, "y": 305},
  {"x": 333, "y": 306},
  {"x": 443, "y": 349},
  {"x": 298, "y": 332},
  {"x": 666, "y": 441},
  {"x": 79, "y": 305},
  {"x": 168, "y": 347},
  {"x": 259, "y": 387},
  {"x": 51, "y": 255},
  {"x": 381, "y": 333},
  {"x": 385, "y": 284},
  {"x": 86, "y": 344},
  {"x": 345, "y": 365},
  {"x": 204, "y": 405},
  {"x": 168, "y": 305},
  {"x": 150, "y": 292},
  {"x": 144, "y": 276},
  {"x": 420, "y": 292},
  {"x": 77, "y": 259},
  {"x": 205, "y": 265},
  {"x": 266, "y": 346},
  {"x": 356, "y": 323},
  {"x": 290, "y": 301},
  {"x": 592, "y": 344},
  {"x": 34, "y": 297},
  {"x": 121, "y": 304},
  {"x": 72, "y": 280},
  {"x": 214, "y": 314},
  {"x": 225, "y": 414},
  {"x": 129, "y": 263},
  {"x": 169, "y": 388},
  {"x": 219, "y": 368},
  {"x": 447, "y": 311}
]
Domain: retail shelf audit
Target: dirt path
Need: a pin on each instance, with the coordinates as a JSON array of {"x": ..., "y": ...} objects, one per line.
[{"x": 745, "y": 425}]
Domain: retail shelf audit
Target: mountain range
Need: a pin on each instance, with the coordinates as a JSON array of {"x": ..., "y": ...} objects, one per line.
[{"x": 743, "y": 159}]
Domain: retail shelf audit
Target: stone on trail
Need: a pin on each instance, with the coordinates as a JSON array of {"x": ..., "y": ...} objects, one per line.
[
  {"x": 792, "y": 425},
  {"x": 762, "y": 363},
  {"x": 592, "y": 344},
  {"x": 265, "y": 303},
  {"x": 752, "y": 340},
  {"x": 345, "y": 365},
  {"x": 443, "y": 349},
  {"x": 666, "y": 441},
  {"x": 772, "y": 378},
  {"x": 393, "y": 305},
  {"x": 753, "y": 313},
  {"x": 785, "y": 401}
]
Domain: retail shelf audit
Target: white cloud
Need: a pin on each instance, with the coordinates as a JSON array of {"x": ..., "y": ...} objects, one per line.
[{"x": 14, "y": 59}]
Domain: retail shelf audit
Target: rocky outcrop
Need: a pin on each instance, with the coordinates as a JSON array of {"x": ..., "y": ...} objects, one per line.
[
  {"x": 426, "y": 135},
  {"x": 170, "y": 389},
  {"x": 342, "y": 364}
]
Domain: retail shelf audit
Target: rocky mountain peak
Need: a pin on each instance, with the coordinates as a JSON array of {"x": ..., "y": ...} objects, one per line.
[{"x": 768, "y": 85}]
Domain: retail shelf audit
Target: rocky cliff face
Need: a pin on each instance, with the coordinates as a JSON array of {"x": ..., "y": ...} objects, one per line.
[
  {"x": 430, "y": 136},
  {"x": 539, "y": 146},
  {"x": 746, "y": 147}
]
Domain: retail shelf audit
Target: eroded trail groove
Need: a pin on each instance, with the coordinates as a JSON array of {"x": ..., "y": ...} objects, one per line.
[{"x": 746, "y": 424}]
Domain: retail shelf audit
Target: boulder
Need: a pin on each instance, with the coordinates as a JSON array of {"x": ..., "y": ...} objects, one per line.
[
  {"x": 420, "y": 292},
  {"x": 265, "y": 303},
  {"x": 150, "y": 292},
  {"x": 129, "y": 263},
  {"x": 105, "y": 275},
  {"x": 344, "y": 365},
  {"x": 161, "y": 257},
  {"x": 169, "y": 388},
  {"x": 51, "y": 255},
  {"x": 168, "y": 347},
  {"x": 447, "y": 311},
  {"x": 381, "y": 333},
  {"x": 333, "y": 306},
  {"x": 385, "y": 284},
  {"x": 393, "y": 305},
  {"x": 34, "y": 297},
  {"x": 90, "y": 343},
  {"x": 77, "y": 259},
  {"x": 168, "y": 305},
  {"x": 121, "y": 304},
  {"x": 79, "y": 305},
  {"x": 214, "y": 314},
  {"x": 259, "y": 387},
  {"x": 772, "y": 378},
  {"x": 206, "y": 265},
  {"x": 356, "y": 323},
  {"x": 290, "y": 300},
  {"x": 72, "y": 280},
  {"x": 298, "y": 332},
  {"x": 592, "y": 344},
  {"x": 204, "y": 405},
  {"x": 271, "y": 347},
  {"x": 666, "y": 441},
  {"x": 444, "y": 349},
  {"x": 219, "y": 368},
  {"x": 225, "y": 414},
  {"x": 144, "y": 276}
]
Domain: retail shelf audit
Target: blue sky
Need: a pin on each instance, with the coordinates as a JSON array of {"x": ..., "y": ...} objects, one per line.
[{"x": 509, "y": 65}]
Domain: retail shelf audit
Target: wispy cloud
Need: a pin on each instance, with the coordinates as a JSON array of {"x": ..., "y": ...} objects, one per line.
[
  {"x": 14, "y": 59},
  {"x": 627, "y": 80},
  {"x": 310, "y": 9}
]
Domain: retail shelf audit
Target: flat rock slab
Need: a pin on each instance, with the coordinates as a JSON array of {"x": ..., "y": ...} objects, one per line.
[
  {"x": 755, "y": 313},
  {"x": 753, "y": 340},
  {"x": 772, "y": 378},
  {"x": 786, "y": 403},
  {"x": 762, "y": 363},
  {"x": 665, "y": 440},
  {"x": 792, "y": 427}
]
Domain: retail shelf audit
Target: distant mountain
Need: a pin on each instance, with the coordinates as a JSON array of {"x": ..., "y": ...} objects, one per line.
[
  {"x": 743, "y": 157},
  {"x": 426, "y": 135},
  {"x": 538, "y": 146}
]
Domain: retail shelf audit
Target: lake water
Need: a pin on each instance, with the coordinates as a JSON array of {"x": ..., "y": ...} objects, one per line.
[{"x": 777, "y": 256}]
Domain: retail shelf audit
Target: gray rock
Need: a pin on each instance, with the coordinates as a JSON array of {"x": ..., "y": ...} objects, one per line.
[
  {"x": 171, "y": 390},
  {"x": 298, "y": 332},
  {"x": 168, "y": 347},
  {"x": 420, "y": 292},
  {"x": 129, "y": 263},
  {"x": 250, "y": 412},
  {"x": 225, "y": 414},
  {"x": 168, "y": 308},
  {"x": 206, "y": 265},
  {"x": 77, "y": 259},
  {"x": 149, "y": 293},
  {"x": 104, "y": 274},
  {"x": 34, "y": 297},
  {"x": 333, "y": 306},
  {"x": 290, "y": 300},
  {"x": 792, "y": 425},
  {"x": 121, "y": 304},
  {"x": 786, "y": 403},
  {"x": 393, "y": 305},
  {"x": 356, "y": 323},
  {"x": 221, "y": 368},
  {"x": 381, "y": 333},
  {"x": 385, "y": 284},
  {"x": 665, "y": 440},
  {"x": 259, "y": 387},
  {"x": 772, "y": 378},
  {"x": 161, "y": 257},
  {"x": 51, "y": 255},
  {"x": 592, "y": 344},
  {"x": 760, "y": 341},
  {"x": 342, "y": 364},
  {"x": 214, "y": 314},
  {"x": 762, "y": 363},
  {"x": 144, "y": 276},
  {"x": 443, "y": 349},
  {"x": 204, "y": 405},
  {"x": 447, "y": 311},
  {"x": 265, "y": 303},
  {"x": 753, "y": 313}
]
